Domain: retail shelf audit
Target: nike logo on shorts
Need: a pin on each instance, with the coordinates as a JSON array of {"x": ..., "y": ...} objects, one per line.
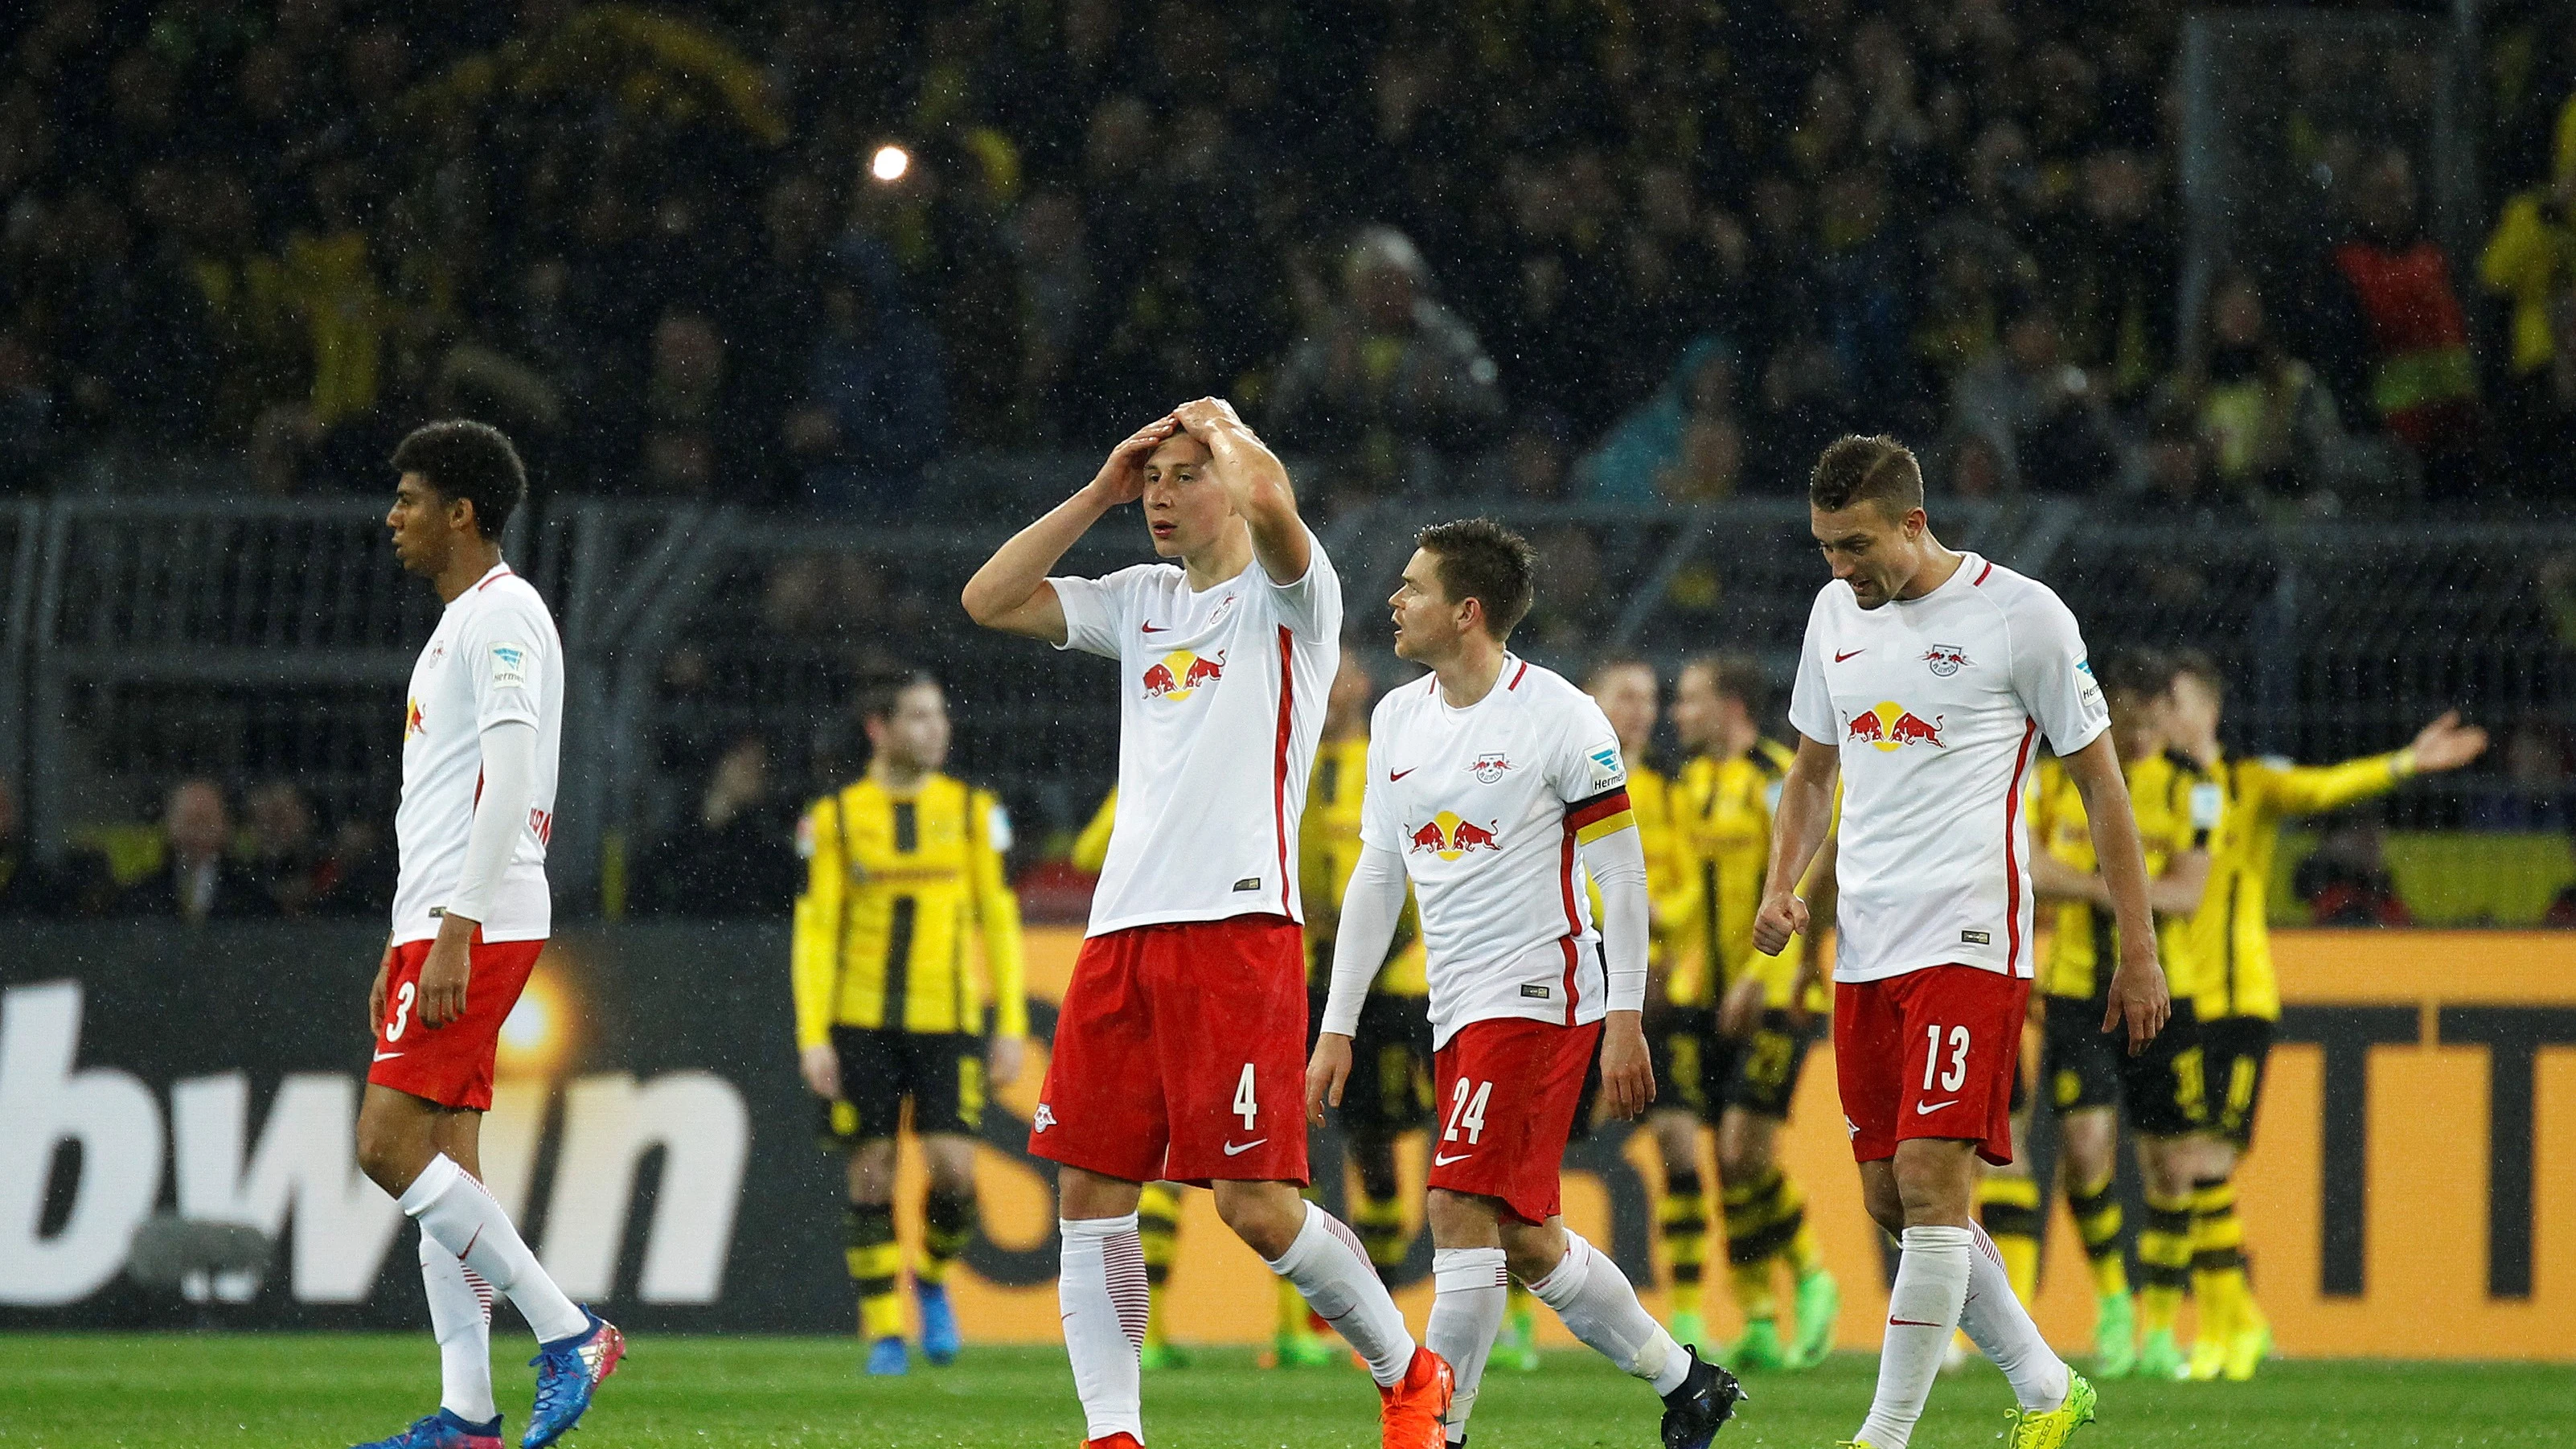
[
  {"x": 387, "y": 1056},
  {"x": 1925, "y": 1109},
  {"x": 1231, "y": 1150},
  {"x": 1438, "y": 1161}
]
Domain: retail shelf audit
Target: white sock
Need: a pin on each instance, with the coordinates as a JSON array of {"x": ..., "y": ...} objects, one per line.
[
  {"x": 1996, "y": 1319},
  {"x": 453, "y": 1209},
  {"x": 1101, "y": 1291},
  {"x": 1594, "y": 1298},
  {"x": 1330, "y": 1267},
  {"x": 460, "y": 1315},
  {"x": 1466, "y": 1312},
  {"x": 1922, "y": 1313}
]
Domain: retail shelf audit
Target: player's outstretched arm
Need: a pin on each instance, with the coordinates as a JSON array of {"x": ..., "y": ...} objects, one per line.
[
  {"x": 1797, "y": 831},
  {"x": 2138, "y": 994},
  {"x": 1010, "y": 593},
  {"x": 1257, "y": 482}
]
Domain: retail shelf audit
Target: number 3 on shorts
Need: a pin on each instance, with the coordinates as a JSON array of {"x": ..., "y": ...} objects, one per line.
[
  {"x": 1246, "y": 1105},
  {"x": 1958, "y": 1069}
]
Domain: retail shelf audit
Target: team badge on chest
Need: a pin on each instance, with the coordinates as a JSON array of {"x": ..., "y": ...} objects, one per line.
[
  {"x": 1945, "y": 659},
  {"x": 1489, "y": 767}
]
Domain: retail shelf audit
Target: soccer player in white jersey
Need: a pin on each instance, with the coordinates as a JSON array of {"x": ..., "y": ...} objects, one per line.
[
  {"x": 1926, "y": 681},
  {"x": 1495, "y": 785},
  {"x": 481, "y": 733},
  {"x": 1179, "y": 1052}
]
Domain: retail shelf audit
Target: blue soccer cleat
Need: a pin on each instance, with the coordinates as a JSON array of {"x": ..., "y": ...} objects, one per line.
[
  {"x": 443, "y": 1430},
  {"x": 939, "y": 1339},
  {"x": 886, "y": 1358},
  {"x": 568, "y": 1373}
]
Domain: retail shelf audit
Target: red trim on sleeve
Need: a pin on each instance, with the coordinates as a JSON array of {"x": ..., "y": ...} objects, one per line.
[
  {"x": 1573, "y": 921},
  {"x": 1981, "y": 574},
  {"x": 1517, "y": 676},
  {"x": 2012, "y": 857},
  {"x": 1599, "y": 807},
  {"x": 1279, "y": 764}
]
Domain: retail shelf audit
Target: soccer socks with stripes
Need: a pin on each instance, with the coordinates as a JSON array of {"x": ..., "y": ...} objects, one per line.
[
  {"x": 2164, "y": 1263},
  {"x": 1600, "y": 1307},
  {"x": 2008, "y": 1209},
  {"x": 2217, "y": 1256},
  {"x": 2100, "y": 1223},
  {"x": 1158, "y": 1226},
  {"x": 460, "y": 1314},
  {"x": 1923, "y": 1309},
  {"x": 1763, "y": 1220},
  {"x": 1100, "y": 1290},
  {"x": 453, "y": 1209},
  {"x": 1380, "y": 1223},
  {"x": 1466, "y": 1312},
  {"x": 948, "y": 1225},
  {"x": 1999, "y": 1324},
  {"x": 1682, "y": 1214},
  {"x": 875, "y": 1262},
  {"x": 1331, "y": 1269}
]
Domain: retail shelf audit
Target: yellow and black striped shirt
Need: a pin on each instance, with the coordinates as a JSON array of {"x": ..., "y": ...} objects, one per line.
[
  {"x": 2234, "y": 936},
  {"x": 1722, "y": 813},
  {"x": 2178, "y": 808},
  {"x": 895, "y": 886}
]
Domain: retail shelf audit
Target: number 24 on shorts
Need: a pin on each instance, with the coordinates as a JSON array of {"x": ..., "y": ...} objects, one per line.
[
  {"x": 1468, "y": 1112},
  {"x": 1957, "y": 1071}
]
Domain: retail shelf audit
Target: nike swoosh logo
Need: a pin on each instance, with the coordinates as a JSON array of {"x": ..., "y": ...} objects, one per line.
[
  {"x": 1925, "y": 1109},
  {"x": 1911, "y": 1323},
  {"x": 1151, "y": 629},
  {"x": 1231, "y": 1150},
  {"x": 387, "y": 1056},
  {"x": 1438, "y": 1161},
  {"x": 1394, "y": 775},
  {"x": 1839, "y": 656}
]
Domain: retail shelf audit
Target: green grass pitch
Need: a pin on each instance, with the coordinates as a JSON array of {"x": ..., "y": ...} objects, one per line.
[{"x": 75, "y": 1391}]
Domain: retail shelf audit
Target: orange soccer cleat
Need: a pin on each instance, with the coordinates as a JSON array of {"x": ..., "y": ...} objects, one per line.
[
  {"x": 1412, "y": 1412},
  {"x": 1120, "y": 1440}
]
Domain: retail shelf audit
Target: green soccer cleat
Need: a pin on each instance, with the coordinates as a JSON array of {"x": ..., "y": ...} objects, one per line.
[
  {"x": 2247, "y": 1350},
  {"x": 1156, "y": 1357},
  {"x": 1689, "y": 1327},
  {"x": 1516, "y": 1347},
  {"x": 1299, "y": 1351},
  {"x": 1759, "y": 1350},
  {"x": 2051, "y": 1428},
  {"x": 1820, "y": 1302},
  {"x": 2115, "y": 1336},
  {"x": 2161, "y": 1359}
]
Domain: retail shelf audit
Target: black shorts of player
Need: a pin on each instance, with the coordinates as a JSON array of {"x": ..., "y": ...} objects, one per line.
[
  {"x": 941, "y": 1071},
  {"x": 2161, "y": 1087},
  {"x": 2233, "y": 1050},
  {"x": 1763, "y": 1076},
  {"x": 1698, "y": 1069},
  {"x": 1689, "y": 1058},
  {"x": 1389, "y": 1091},
  {"x": 2079, "y": 1064}
]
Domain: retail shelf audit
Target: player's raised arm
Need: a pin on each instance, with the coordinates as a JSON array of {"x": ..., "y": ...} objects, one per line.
[
  {"x": 1798, "y": 829},
  {"x": 2138, "y": 995},
  {"x": 1010, "y": 593},
  {"x": 1258, "y": 483}
]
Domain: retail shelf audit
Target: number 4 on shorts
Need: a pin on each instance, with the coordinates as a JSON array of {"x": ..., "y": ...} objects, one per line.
[{"x": 1246, "y": 1105}]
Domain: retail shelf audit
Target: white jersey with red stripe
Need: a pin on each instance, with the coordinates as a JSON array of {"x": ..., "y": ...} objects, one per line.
[
  {"x": 1938, "y": 705},
  {"x": 1485, "y": 805},
  {"x": 1221, "y": 702},
  {"x": 494, "y": 658}
]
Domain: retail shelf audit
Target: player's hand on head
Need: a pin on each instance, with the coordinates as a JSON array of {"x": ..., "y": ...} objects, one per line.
[
  {"x": 1326, "y": 1072},
  {"x": 1010, "y": 1053},
  {"x": 1122, "y": 478},
  {"x": 1627, "y": 1070},
  {"x": 820, "y": 1066},
  {"x": 1207, "y": 413},
  {"x": 2447, "y": 744},
  {"x": 1782, "y": 916},
  {"x": 2138, "y": 1001}
]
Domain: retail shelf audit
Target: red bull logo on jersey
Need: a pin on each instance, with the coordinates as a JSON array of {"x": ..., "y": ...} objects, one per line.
[
  {"x": 1891, "y": 726},
  {"x": 1180, "y": 673},
  {"x": 1448, "y": 837}
]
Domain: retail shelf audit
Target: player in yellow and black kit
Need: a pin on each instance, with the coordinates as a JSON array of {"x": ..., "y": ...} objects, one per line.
[
  {"x": 1732, "y": 1027},
  {"x": 2089, "y": 1078},
  {"x": 2238, "y": 999},
  {"x": 902, "y": 868}
]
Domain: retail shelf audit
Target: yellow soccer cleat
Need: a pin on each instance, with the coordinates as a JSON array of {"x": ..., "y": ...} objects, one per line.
[
  {"x": 2247, "y": 1350},
  {"x": 1852, "y": 1444},
  {"x": 2208, "y": 1356},
  {"x": 2049, "y": 1428}
]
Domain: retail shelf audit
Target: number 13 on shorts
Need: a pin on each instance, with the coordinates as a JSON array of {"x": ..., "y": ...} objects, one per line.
[{"x": 1956, "y": 1072}]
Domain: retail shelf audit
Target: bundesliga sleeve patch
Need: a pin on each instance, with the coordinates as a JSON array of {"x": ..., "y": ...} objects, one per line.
[
  {"x": 509, "y": 666},
  {"x": 1605, "y": 765}
]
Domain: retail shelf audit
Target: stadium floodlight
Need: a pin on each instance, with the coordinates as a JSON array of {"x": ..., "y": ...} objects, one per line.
[{"x": 890, "y": 163}]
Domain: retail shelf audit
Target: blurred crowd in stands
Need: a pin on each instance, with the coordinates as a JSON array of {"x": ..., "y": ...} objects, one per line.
[{"x": 1616, "y": 251}]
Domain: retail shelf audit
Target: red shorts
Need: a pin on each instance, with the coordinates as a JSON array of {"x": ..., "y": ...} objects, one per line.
[
  {"x": 1929, "y": 1054},
  {"x": 1507, "y": 1092},
  {"x": 1180, "y": 1055},
  {"x": 451, "y": 1065}
]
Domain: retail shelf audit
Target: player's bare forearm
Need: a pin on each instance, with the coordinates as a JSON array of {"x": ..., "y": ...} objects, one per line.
[
  {"x": 2138, "y": 994},
  {"x": 1010, "y": 593},
  {"x": 1326, "y": 1071},
  {"x": 1798, "y": 831},
  {"x": 444, "y": 975},
  {"x": 1627, "y": 1071},
  {"x": 1257, "y": 482},
  {"x": 2052, "y": 879},
  {"x": 2177, "y": 892}
]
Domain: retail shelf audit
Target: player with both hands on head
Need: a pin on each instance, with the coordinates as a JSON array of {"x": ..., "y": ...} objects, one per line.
[
  {"x": 482, "y": 732},
  {"x": 1178, "y": 1050},
  {"x": 901, "y": 868},
  {"x": 1926, "y": 679},
  {"x": 1494, "y": 786}
]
